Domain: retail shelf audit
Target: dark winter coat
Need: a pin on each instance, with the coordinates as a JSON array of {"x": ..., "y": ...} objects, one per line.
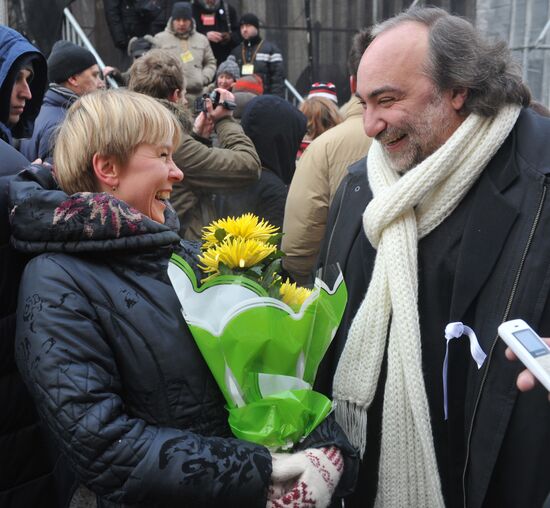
[
  {"x": 26, "y": 466},
  {"x": 502, "y": 273},
  {"x": 225, "y": 21},
  {"x": 126, "y": 20},
  {"x": 267, "y": 60},
  {"x": 53, "y": 111},
  {"x": 276, "y": 129},
  {"x": 104, "y": 349},
  {"x": 26, "y": 461},
  {"x": 13, "y": 49}
]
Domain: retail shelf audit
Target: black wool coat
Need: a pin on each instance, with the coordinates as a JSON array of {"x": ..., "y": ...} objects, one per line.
[{"x": 502, "y": 273}]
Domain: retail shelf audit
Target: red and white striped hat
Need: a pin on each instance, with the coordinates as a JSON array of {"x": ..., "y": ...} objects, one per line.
[{"x": 327, "y": 90}]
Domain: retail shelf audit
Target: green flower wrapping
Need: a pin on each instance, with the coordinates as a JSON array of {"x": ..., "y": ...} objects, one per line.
[{"x": 263, "y": 354}]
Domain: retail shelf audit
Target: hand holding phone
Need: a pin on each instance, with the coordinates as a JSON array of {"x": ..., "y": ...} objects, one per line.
[{"x": 528, "y": 347}]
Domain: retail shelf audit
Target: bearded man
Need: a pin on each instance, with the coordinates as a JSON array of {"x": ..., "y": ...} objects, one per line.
[{"x": 454, "y": 231}]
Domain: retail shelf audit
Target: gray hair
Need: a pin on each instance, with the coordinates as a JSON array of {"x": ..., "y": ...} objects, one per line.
[{"x": 460, "y": 57}]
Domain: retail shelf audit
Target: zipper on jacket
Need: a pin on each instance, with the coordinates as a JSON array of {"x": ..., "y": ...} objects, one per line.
[
  {"x": 334, "y": 228},
  {"x": 493, "y": 345}
]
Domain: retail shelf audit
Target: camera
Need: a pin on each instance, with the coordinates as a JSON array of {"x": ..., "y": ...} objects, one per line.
[{"x": 200, "y": 104}]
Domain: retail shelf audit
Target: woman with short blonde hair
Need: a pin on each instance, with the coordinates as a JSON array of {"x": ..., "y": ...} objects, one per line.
[
  {"x": 112, "y": 123},
  {"x": 101, "y": 341}
]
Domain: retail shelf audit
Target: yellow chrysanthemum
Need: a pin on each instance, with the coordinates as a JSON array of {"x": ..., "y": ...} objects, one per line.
[
  {"x": 235, "y": 253},
  {"x": 247, "y": 226},
  {"x": 293, "y": 295}
]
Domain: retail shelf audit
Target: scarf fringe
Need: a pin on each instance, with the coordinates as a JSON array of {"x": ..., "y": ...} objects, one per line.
[{"x": 353, "y": 420}]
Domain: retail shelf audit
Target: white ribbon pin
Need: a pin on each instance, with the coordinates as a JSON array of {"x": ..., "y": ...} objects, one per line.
[{"x": 455, "y": 331}]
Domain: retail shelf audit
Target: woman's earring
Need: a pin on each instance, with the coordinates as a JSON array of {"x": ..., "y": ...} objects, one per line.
[{"x": 114, "y": 187}]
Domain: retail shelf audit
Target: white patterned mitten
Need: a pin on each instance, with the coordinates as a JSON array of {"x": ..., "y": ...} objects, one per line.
[{"x": 305, "y": 479}]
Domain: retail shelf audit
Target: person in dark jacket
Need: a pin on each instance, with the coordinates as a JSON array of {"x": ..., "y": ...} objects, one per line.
[
  {"x": 27, "y": 465},
  {"x": 276, "y": 128},
  {"x": 454, "y": 233},
  {"x": 135, "y": 18},
  {"x": 72, "y": 72},
  {"x": 101, "y": 340},
  {"x": 260, "y": 56},
  {"x": 22, "y": 84},
  {"x": 218, "y": 20}
]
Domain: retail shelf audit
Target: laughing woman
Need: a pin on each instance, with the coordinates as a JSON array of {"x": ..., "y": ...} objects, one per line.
[{"x": 101, "y": 341}]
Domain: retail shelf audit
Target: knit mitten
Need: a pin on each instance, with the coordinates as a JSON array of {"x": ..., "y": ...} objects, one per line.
[{"x": 305, "y": 479}]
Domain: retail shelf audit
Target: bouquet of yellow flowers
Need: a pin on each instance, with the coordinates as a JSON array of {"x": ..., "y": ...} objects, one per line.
[{"x": 263, "y": 338}]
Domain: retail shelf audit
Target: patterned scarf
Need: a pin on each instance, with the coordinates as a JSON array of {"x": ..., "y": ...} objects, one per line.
[{"x": 64, "y": 92}]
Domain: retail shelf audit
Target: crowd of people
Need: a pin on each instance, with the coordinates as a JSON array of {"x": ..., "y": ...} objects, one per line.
[{"x": 427, "y": 188}]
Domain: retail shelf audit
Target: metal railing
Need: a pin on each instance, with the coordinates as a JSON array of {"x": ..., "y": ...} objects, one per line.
[
  {"x": 291, "y": 94},
  {"x": 4, "y": 12},
  {"x": 72, "y": 31}
]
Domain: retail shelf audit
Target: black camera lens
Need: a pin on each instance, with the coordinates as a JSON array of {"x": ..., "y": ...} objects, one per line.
[{"x": 215, "y": 98}]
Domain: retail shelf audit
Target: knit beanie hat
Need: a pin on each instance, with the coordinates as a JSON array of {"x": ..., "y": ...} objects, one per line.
[
  {"x": 326, "y": 90},
  {"x": 66, "y": 60},
  {"x": 230, "y": 66},
  {"x": 250, "y": 19},
  {"x": 182, "y": 10},
  {"x": 251, "y": 83}
]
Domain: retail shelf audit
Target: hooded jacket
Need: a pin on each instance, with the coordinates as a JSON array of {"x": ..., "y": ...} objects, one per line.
[
  {"x": 14, "y": 48},
  {"x": 26, "y": 465},
  {"x": 267, "y": 60},
  {"x": 276, "y": 128},
  {"x": 195, "y": 53},
  {"x": 104, "y": 350}
]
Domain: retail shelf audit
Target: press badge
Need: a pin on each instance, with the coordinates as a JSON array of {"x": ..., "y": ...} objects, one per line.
[
  {"x": 187, "y": 57},
  {"x": 208, "y": 19},
  {"x": 247, "y": 69}
]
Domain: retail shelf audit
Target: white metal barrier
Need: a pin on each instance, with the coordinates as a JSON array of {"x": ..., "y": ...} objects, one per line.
[
  {"x": 72, "y": 31},
  {"x": 4, "y": 12}
]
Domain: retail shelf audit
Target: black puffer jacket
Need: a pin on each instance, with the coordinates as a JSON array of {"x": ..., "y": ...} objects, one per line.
[
  {"x": 109, "y": 360},
  {"x": 267, "y": 60}
]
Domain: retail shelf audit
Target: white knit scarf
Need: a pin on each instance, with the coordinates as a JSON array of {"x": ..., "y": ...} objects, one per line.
[{"x": 403, "y": 210}]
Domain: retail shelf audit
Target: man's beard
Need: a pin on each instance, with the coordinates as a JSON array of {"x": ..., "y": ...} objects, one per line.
[
  {"x": 210, "y": 5},
  {"x": 425, "y": 136}
]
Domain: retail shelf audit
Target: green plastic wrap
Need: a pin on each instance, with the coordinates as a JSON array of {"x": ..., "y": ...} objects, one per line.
[{"x": 263, "y": 355}]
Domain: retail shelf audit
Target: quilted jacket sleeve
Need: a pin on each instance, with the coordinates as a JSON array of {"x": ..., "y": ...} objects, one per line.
[{"x": 72, "y": 375}]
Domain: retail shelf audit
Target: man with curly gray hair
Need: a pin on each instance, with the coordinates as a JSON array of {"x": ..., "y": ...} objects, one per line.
[{"x": 440, "y": 233}]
